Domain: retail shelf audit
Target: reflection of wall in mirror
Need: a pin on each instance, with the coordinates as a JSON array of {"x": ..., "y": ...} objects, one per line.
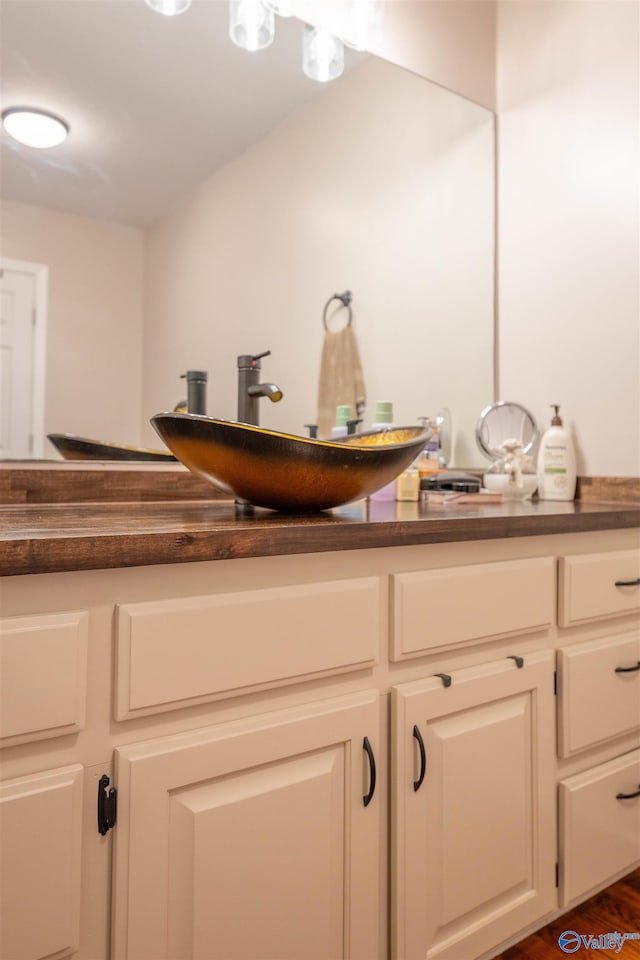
[
  {"x": 94, "y": 342},
  {"x": 383, "y": 186}
]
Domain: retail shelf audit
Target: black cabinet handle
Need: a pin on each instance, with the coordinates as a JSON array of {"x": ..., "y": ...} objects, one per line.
[
  {"x": 628, "y": 796},
  {"x": 628, "y": 583},
  {"x": 423, "y": 758},
  {"x": 628, "y": 669},
  {"x": 368, "y": 797}
]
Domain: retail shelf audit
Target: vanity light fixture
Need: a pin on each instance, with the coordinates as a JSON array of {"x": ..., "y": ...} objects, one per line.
[
  {"x": 169, "y": 8},
  {"x": 362, "y": 24},
  {"x": 322, "y": 54},
  {"x": 284, "y": 8},
  {"x": 34, "y": 128},
  {"x": 251, "y": 24}
]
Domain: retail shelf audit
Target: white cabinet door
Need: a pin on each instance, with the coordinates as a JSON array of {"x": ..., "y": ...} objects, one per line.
[
  {"x": 251, "y": 839},
  {"x": 40, "y": 864},
  {"x": 473, "y": 811}
]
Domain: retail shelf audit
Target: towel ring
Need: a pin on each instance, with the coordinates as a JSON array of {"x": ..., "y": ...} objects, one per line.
[{"x": 345, "y": 299}]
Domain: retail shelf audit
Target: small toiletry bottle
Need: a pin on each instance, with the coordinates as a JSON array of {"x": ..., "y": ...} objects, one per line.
[
  {"x": 343, "y": 415},
  {"x": 408, "y": 484},
  {"x": 556, "y": 462},
  {"x": 384, "y": 421},
  {"x": 427, "y": 461}
]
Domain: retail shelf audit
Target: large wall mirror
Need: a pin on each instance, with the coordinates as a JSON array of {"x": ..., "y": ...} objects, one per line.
[{"x": 208, "y": 202}]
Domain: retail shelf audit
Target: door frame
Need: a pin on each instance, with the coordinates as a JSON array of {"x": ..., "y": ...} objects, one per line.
[{"x": 40, "y": 273}]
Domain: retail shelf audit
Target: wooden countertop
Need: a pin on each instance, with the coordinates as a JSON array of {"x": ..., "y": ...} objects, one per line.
[{"x": 55, "y": 537}]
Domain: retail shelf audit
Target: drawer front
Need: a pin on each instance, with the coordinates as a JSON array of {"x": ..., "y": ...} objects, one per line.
[
  {"x": 599, "y": 828},
  {"x": 174, "y": 653},
  {"x": 43, "y": 677},
  {"x": 435, "y": 609},
  {"x": 599, "y": 688},
  {"x": 599, "y": 585}
]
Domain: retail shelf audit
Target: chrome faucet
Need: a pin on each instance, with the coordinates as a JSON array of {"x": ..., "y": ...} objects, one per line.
[{"x": 250, "y": 391}]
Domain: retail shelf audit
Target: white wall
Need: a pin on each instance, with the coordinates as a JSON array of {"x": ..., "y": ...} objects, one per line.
[
  {"x": 451, "y": 42},
  {"x": 94, "y": 335},
  {"x": 569, "y": 221}
]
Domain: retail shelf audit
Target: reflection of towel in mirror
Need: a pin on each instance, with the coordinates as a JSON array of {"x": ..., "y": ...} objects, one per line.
[{"x": 341, "y": 379}]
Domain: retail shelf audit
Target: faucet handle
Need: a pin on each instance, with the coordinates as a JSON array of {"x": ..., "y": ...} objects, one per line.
[{"x": 248, "y": 361}]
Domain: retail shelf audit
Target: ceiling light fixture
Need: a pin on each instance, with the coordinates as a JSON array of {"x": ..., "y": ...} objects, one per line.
[
  {"x": 284, "y": 8},
  {"x": 251, "y": 24},
  {"x": 34, "y": 128},
  {"x": 322, "y": 54},
  {"x": 362, "y": 24},
  {"x": 169, "y": 8}
]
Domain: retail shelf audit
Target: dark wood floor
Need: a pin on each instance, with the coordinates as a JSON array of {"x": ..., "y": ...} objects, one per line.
[{"x": 615, "y": 909}]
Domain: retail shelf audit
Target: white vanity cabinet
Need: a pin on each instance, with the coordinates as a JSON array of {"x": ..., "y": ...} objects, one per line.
[
  {"x": 598, "y": 707},
  {"x": 241, "y": 710}
]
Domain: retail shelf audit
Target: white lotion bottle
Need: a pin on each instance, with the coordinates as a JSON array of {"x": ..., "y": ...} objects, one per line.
[{"x": 556, "y": 462}]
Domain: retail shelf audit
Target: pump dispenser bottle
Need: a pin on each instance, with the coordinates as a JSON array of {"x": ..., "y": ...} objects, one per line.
[{"x": 556, "y": 462}]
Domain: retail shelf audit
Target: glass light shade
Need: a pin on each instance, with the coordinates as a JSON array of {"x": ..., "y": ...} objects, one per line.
[
  {"x": 34, "y": 128},
  {"x": 362, "y": 23},
  {"x": 322, "y": 54},
  {"x": 251, "y": 24},
  {"x": 284, "y": 8},
  {"x": 169, "y": 8}
]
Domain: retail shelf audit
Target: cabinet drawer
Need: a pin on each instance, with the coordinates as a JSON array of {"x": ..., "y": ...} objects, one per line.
[
  {"x": 598, "y": 585},
  {"x": 173, "y": 653},
  {"x": 599, "y": 829},
  {"x": 599, "y": 687},
  {"x": 43, "y": 676},
  {"x": 441, "y": 608}
]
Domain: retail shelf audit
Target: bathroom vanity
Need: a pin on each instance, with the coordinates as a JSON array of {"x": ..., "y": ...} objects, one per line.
[{"x": 409, "y": 732}]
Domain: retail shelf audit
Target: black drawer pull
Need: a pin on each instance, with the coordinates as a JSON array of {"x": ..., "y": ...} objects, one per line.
[
  {"x": 628, "y": 796},
  {"x": 368, "y": 797},
  {"x": 628, "y": 583},
  {"x": 628, "y": 669},
  {"x": 519, "y": 661},
  {"x": 423, "y": 758},
  {"x": 445, "y": 677}
]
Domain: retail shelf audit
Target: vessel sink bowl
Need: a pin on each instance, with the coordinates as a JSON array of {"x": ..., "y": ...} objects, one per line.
[
  {"x": 286, "y": 472},
  {"x": 82, "y": 448}
]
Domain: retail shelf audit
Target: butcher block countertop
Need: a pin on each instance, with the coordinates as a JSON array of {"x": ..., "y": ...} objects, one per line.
[{"x": 57, "y": 537}]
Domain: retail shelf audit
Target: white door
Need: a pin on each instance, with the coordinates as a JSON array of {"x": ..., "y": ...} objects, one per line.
[{"x": 17, "y": 360}]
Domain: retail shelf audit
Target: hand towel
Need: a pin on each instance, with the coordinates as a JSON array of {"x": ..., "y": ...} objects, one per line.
[{"x": 341, "y": 379}]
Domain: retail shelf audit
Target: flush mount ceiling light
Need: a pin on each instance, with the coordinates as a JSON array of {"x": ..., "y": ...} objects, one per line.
[
  {"x": 34, "y": 128},
  {"x": 169, "y": 8},
  {"x": 251, "y": 24}
]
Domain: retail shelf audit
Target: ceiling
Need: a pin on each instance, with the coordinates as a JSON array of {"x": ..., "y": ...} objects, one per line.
[{"x": 155, "y": 103}]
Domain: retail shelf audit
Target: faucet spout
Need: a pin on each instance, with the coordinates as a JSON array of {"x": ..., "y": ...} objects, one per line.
[
  {"x": 250, "y": 391},
  {"x": 269, "y": 390}
]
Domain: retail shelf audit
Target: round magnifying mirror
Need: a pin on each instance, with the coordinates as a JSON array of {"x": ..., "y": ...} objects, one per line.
[{"x": 505, "y": 421}]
